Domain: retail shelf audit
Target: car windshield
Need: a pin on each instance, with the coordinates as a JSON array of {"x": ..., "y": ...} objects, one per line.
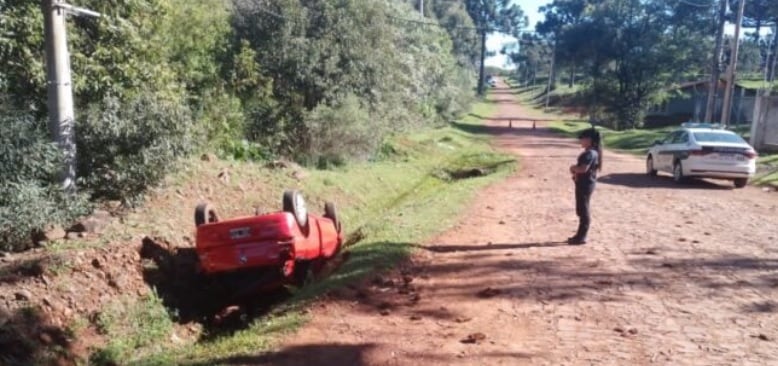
[{"x": 727, "y": 137}]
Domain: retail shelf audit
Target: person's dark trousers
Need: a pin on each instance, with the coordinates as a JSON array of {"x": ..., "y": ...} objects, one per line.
[{"x": 583, "y": 196}]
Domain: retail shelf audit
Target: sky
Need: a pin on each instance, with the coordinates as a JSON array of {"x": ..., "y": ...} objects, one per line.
[{"x": 495, "y": 41}]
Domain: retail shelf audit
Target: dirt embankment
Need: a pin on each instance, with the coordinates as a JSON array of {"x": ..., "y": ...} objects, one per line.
[{"x": 55, "y": 301}]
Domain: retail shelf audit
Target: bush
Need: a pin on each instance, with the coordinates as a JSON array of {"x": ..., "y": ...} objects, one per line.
[
  {"x": 126, "y": 148},
  {"x": 30, "y": 197},
  {"x": 244, "y": 150},
  {"x": 340, "y": 132}
]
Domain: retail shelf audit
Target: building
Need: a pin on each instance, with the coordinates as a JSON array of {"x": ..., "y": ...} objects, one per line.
[{"x": 687, "y": 102}]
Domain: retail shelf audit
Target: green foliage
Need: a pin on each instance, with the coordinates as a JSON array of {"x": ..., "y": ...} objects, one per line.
[
  {"x": 629, "y": 51},
  {"x": 314, "y": 80},
  {"x": 322, "y": 54},
  {"x": 126, "y": 148},
  {"x": 340, "y": 131},
  {"x": 244, "y": 150},
  {"x": 501, "y": 15},
  {"x": 21, "y": 47},
  {"x": 29, "y": 200}
]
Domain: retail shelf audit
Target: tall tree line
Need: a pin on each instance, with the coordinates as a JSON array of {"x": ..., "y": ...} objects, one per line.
[{"x": 628, "y": 52}]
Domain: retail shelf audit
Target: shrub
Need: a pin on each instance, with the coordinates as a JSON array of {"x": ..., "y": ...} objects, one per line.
[
  {"x": 340, "y": 132},
  {"x": 126, "y": 148},
  {"x": 244, "y": 150},
  {"x": 30, "y": 197}
]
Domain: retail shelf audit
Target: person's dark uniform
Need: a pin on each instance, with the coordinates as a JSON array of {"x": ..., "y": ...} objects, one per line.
[{"x": 584, "y": 187}]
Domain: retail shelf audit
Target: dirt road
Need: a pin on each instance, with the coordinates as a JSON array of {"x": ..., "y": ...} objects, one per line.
[{"x": 672, "y": 276}]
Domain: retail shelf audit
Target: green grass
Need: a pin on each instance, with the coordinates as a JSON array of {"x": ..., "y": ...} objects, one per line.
[
  {"x": 394, "y": 202},
  {"x": 768, "y": 170},
  {"x": 635, "y": 141},
  {"x": 133, "y": 328},
  {"x": 756, "y": 84}
]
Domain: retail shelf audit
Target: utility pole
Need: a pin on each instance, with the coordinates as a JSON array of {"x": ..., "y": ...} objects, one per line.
[
  {"x": 421, "y": 7},
  {"x": 713, "y": 87},
  {"x": 731, "y": 71},
  {"x": 483, "y": 59},
  {"x": 60, "y": 88},
  {"x": 774, "y": 61},
  {"x": 551, "y": 73}
]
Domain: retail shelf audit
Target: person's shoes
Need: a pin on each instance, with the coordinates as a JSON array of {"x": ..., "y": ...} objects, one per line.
[{"x": 576, "y": 241}]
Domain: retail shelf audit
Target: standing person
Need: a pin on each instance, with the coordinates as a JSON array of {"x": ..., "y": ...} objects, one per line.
[{"x": 585, "y": 176}]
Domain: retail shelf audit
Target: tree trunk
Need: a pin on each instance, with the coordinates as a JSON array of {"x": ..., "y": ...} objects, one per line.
[
  {"x": 572, "y": 75},
  {"x": 481, "y": 75},
  {"x": 714, "y": 72},
  {"x": 773, "y": 59}
]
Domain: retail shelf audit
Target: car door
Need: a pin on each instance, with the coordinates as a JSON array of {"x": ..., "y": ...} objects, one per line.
[
  {"x": 679, "y": 148},
  {"x": 663, "y": 158}
]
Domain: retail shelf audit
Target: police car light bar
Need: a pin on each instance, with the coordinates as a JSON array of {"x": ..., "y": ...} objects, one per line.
[{"x": 702, "y": 125}]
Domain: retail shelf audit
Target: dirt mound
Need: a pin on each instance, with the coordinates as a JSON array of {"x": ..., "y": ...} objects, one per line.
[{"x": 43, "y": 294}]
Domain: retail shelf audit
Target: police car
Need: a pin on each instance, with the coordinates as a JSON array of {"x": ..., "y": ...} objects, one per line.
[{"x": 703, "y": 150}]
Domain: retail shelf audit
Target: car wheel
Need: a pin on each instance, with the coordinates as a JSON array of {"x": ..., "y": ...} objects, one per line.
[
  {"x": 678, "y": 173},
  {"x": 205, "y": 214},
  {"x": 294, "y": 203},
  {"x": 741, "y": 182},
  {"x": 650, "y": 167},
  {"x": 331, "y": 213}
]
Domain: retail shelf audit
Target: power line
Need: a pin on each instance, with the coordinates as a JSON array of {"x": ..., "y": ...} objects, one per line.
[{"x": 690, "y": 3}]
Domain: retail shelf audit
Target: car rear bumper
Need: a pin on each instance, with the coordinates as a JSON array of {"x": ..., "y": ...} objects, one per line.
[
  {"x": 721, "y": 174},
  {"x": 703, "y": 167}
]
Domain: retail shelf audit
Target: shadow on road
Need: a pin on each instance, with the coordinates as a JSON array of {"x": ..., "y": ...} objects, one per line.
[
  {"x": 641, "y": 180},
  {"x": 311, "y": 355},
  {"x": 332, "y": 354},
  {"x": 470, "y": 248}
]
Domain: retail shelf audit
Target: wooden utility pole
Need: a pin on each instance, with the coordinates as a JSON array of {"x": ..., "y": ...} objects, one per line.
[
  {"x": 731, "y": 71},
  {"x": 713, "y": 87},
  {"x": 481, "y": 75},
  {"x": 60, "y": 89}
]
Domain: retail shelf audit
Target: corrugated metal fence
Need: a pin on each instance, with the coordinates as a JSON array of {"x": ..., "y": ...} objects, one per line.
[{"x": 764, "y": 130}]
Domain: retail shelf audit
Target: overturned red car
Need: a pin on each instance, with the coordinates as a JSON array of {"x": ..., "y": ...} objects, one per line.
[{"x": 284, "y": 246}]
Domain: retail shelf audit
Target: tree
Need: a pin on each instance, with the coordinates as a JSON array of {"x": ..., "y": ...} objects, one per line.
[
  {"x": 559, "y": 16},
  {"x": 494, "y": 16},
  {"x": 453, "y": 16},
  {"x": 530, "y": 54},
  {"x": 760, "y": 14},
  {"x": 630, "y": 50}
]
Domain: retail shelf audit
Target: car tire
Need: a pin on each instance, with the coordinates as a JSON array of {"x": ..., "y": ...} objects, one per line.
[
  {"x": 205, "y": 214},
  {"x": 331, "y": 213},
  {"x": 678, "y": 173},
  {"x": 741, "y": 182},
  {"x": 294, "y": 203},
  {"x": 650, "y": 170}
]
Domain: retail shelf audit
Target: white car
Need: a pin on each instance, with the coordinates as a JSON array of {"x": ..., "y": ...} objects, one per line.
[{"x": 703, "y": 151}]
